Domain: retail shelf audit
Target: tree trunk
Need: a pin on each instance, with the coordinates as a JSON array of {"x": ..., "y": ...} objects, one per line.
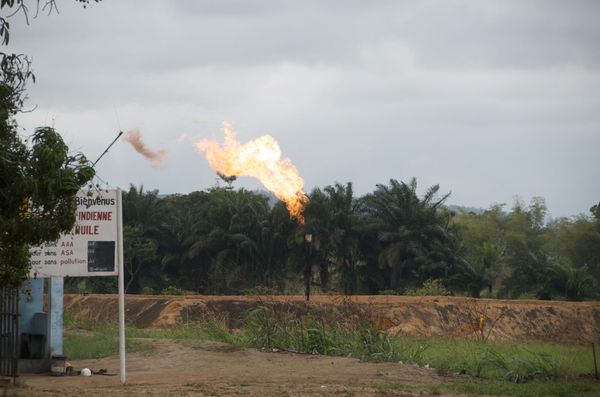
[
  {"x": 307, "y": 280},
  {"x": 307, "y": 272},
  {"x": 324, "y": 274}
]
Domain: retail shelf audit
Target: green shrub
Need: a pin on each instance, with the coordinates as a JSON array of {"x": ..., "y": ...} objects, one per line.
[
  {"x": 258, "y": 290},
  {"x": 172, "y": 290},
  {"x": 431, "y": 287},
  {"x": 150, "y": 291}
]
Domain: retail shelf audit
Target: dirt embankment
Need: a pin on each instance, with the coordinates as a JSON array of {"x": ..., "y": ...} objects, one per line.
[{"x": 562, "y": 322}]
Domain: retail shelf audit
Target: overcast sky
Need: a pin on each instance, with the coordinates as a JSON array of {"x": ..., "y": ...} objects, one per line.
[{"x": 488, "y": 99}]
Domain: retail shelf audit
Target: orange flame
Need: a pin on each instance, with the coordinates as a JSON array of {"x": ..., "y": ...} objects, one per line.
[
  {"x": 260, "y": 158},
  {"x": 134, "y": 137}
]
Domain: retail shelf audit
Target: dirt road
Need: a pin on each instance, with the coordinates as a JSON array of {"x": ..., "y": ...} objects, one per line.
[{"x": 200, "y": 368}]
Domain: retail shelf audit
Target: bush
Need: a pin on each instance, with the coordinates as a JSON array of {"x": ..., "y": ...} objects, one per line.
[
  {"x": 150, "y": 291},
  {"x": 431, "y": 287},
  {"x": 172, "y": 290},
  {"x": 258, "y": 290}
]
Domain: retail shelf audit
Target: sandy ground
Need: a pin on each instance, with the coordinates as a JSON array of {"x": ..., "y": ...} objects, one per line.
[{"x": 201, "y": 368}]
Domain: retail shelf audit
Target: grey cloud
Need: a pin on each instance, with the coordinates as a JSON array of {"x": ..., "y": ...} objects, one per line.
[{"x": 489, "y": 99}]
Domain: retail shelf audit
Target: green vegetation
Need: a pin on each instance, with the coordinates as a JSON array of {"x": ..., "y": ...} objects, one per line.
[
  {"x": 99, "y": 343},
  {"x": 172, "y": 290},
  {"x": 84, "y": 339},
  {"x": 430, "y": 288},
  {"x": 497, "y": 388},
  {"x": 391, "y": 241},
  {"x": 515, "y": 362}
]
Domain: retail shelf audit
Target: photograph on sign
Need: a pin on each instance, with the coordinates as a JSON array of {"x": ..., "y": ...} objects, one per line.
[{"x": 90, "y": 248}]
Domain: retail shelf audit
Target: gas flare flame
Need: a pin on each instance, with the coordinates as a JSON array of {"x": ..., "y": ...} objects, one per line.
[
  {"x": 134, "y": 137},
  {"x": 260, "y": 158}
]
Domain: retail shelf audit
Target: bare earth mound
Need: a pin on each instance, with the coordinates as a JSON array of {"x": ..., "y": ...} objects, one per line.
[{"x": 551, "y": 321}]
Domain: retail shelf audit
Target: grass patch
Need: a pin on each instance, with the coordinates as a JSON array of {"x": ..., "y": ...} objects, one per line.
[
  {"x": 84, "y": 339},
  {"x": 516, "y": 362},
  {"x": 500, "y": 388},
  {"x": 100, "y": 343},
  {"x": 530, "y": 389}
]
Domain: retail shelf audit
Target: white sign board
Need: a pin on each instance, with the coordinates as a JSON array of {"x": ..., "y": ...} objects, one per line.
[{"x": 92, "y": 247}]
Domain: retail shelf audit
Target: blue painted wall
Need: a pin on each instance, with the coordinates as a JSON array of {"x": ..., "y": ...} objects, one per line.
[
  {"x": 33, "y": 319},
  {"x": 31, "y": 302}
]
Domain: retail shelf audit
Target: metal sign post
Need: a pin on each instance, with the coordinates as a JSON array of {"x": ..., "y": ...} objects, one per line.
[{"x": 121, "y": 288}]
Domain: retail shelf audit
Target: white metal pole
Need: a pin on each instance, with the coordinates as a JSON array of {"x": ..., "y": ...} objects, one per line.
[{"x": 121, "y": 287}]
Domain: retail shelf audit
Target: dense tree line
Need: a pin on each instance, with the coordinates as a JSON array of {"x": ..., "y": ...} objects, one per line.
[{"x": 393, "y": 240}]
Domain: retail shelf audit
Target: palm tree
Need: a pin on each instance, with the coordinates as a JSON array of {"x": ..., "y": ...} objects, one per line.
[
  {"x": 144, "y": 221},
  {"x": 575, "y": 283},
  {"x": 269, "y": 245},
  {"x": 471, "y": 277},
  {"x": 344, "y": 241},
  {"x": 228, "y": 237},
  {"x": 316, "y": 247},
  {"x": 142, "y": 208},
  {"x": 415, "y": 234},
  {"x": 177, "y": 237},
  {"x": 475, "y": 271}
]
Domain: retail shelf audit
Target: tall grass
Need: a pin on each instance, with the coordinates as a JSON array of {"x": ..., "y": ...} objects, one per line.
[
  {"x": 516, "y": 362},
  {"x": 356, "y": 336}
]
